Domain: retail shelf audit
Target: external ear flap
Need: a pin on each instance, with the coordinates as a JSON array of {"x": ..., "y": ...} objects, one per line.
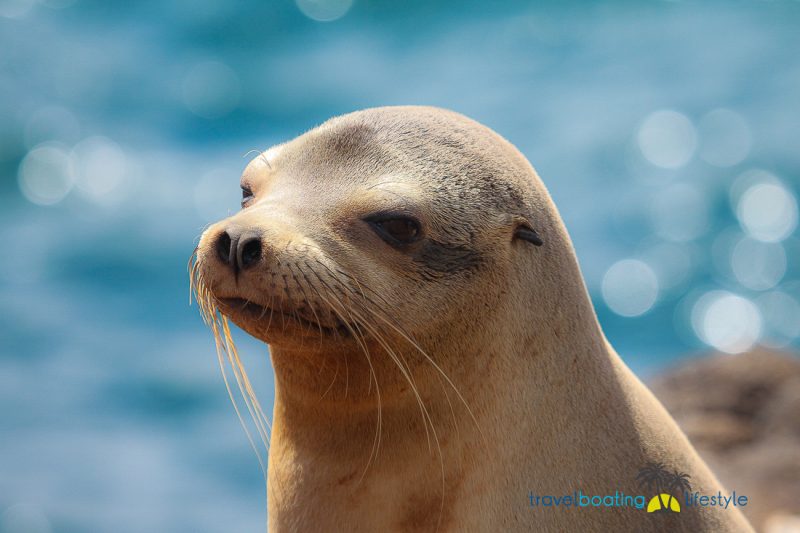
[{"x": 527, "y": 234}]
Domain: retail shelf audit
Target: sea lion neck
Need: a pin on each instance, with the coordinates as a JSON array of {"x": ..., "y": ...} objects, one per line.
[
  {"x": 324, "y": 400},
  {"x": 429, "y": 468}
]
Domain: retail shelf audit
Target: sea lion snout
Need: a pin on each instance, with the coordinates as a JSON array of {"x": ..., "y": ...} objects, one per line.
[
  {"x": 262, "y": 272},
  {"x": 238, "y": 247}
]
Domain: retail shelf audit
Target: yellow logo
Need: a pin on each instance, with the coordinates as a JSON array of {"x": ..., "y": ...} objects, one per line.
[
  {"x": 665, "y": 484},
  {"x": 664, "y": 502}
]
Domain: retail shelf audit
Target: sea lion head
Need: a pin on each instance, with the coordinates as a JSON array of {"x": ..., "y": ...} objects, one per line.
[{"x": 410, "y": 226}]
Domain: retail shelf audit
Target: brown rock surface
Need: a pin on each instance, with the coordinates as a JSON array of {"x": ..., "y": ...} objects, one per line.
[{"x": 742, "y": 413}]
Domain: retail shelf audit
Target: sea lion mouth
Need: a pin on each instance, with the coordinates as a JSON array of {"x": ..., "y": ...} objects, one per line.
[{"x": 250, "y": 310}]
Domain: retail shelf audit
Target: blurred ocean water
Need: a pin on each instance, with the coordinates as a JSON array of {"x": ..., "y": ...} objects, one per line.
[{"x": 667, "y": 133}]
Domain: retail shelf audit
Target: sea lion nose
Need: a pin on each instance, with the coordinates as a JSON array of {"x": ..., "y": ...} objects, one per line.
[
  {"x": 248, "y": 251},
  {"x": 238, "y": 248}
]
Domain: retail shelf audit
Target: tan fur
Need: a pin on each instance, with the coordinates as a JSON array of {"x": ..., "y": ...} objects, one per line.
[{"x": 467, "y": 372}]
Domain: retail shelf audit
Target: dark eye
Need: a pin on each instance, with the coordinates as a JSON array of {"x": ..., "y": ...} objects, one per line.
[
  {"x": 247, "y": 195},
  {"x": 395, "y": 229}
]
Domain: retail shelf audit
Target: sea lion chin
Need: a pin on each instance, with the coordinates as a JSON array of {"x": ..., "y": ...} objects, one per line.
[{"x": 437, "y": 358}]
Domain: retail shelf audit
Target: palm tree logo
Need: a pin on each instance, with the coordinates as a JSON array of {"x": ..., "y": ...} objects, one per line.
[{"x": 656, "y": 477}]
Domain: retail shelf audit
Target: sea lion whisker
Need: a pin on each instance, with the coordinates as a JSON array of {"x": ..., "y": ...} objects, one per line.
[
  {"x": 396, "y": 358},
  {"x": 261, "y": 154},
  {"x": 310, "y": 305},
  {"x": 294, "y": 314},
  {"x": 356, "y": 281},
  {"x": 235, "y": 404},
  {"x": 346, "y": 375},
  {"x": 251, "y": 151},
  {"x": 405, "y": 371},
  {"x": 263, "y": 313},
  {"x": 203, "y": 229},
  {"x": 376, "y": 441},
  {"x": 438, "y": 369},
  {"x": 310, "y": 284},
  {"x": 333, "y": 308},
  {"x": 282, "y": 315},
  {"x": 192, "y": 268},
  {"x": 404, "y": 368},
  {"x": 224, "y": 345},
  {"x": 361, "y": 342},
  {"x": 262, "y": 421},
  {"x": 236, "y": 368},
  {"x": 381, "y": 183},
  {"x": 340, "y": 271},
  {"x": 378, "y": 311},
  {"x": 271, "y": 308},
  {"x": 335, "y": 374}
]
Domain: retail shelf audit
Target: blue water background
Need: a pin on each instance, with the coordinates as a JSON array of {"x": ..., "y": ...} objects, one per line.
[{"x": 113, "y": 415}]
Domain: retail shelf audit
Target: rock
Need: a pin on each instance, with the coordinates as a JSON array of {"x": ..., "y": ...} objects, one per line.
[
  {"x": 782, "y": 523},
  {"x": 782, "y": 415},
  {"x": 742, "y": 413}
]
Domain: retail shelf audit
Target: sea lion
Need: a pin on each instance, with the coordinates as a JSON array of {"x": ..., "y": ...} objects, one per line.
[{"x": 438, "y": 362}]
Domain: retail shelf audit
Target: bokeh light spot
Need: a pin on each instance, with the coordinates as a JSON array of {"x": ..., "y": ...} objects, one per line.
[
  {"x": 45, "y": 174},
  {"x": 758, "y": 265},
  {"x": 767, "y": 212},
  {"x": 100, "y": 168},
  {"x": 726, "y": 322},
  {"x": 630, "y": 287},
  {"x": 324, "y": 10},
  {"x": 667, "y": 139}
]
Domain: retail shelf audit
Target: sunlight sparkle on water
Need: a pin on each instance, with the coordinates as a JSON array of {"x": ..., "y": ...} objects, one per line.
[
  {"x": 630, "y": 287},
  {"x": 727, "y": 322},
  {"x": 667, "y": 139}
]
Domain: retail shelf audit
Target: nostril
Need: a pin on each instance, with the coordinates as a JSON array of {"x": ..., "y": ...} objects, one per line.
[
  {"x": 224, "y": 247},
  {"x": 250, "y": 252}
]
